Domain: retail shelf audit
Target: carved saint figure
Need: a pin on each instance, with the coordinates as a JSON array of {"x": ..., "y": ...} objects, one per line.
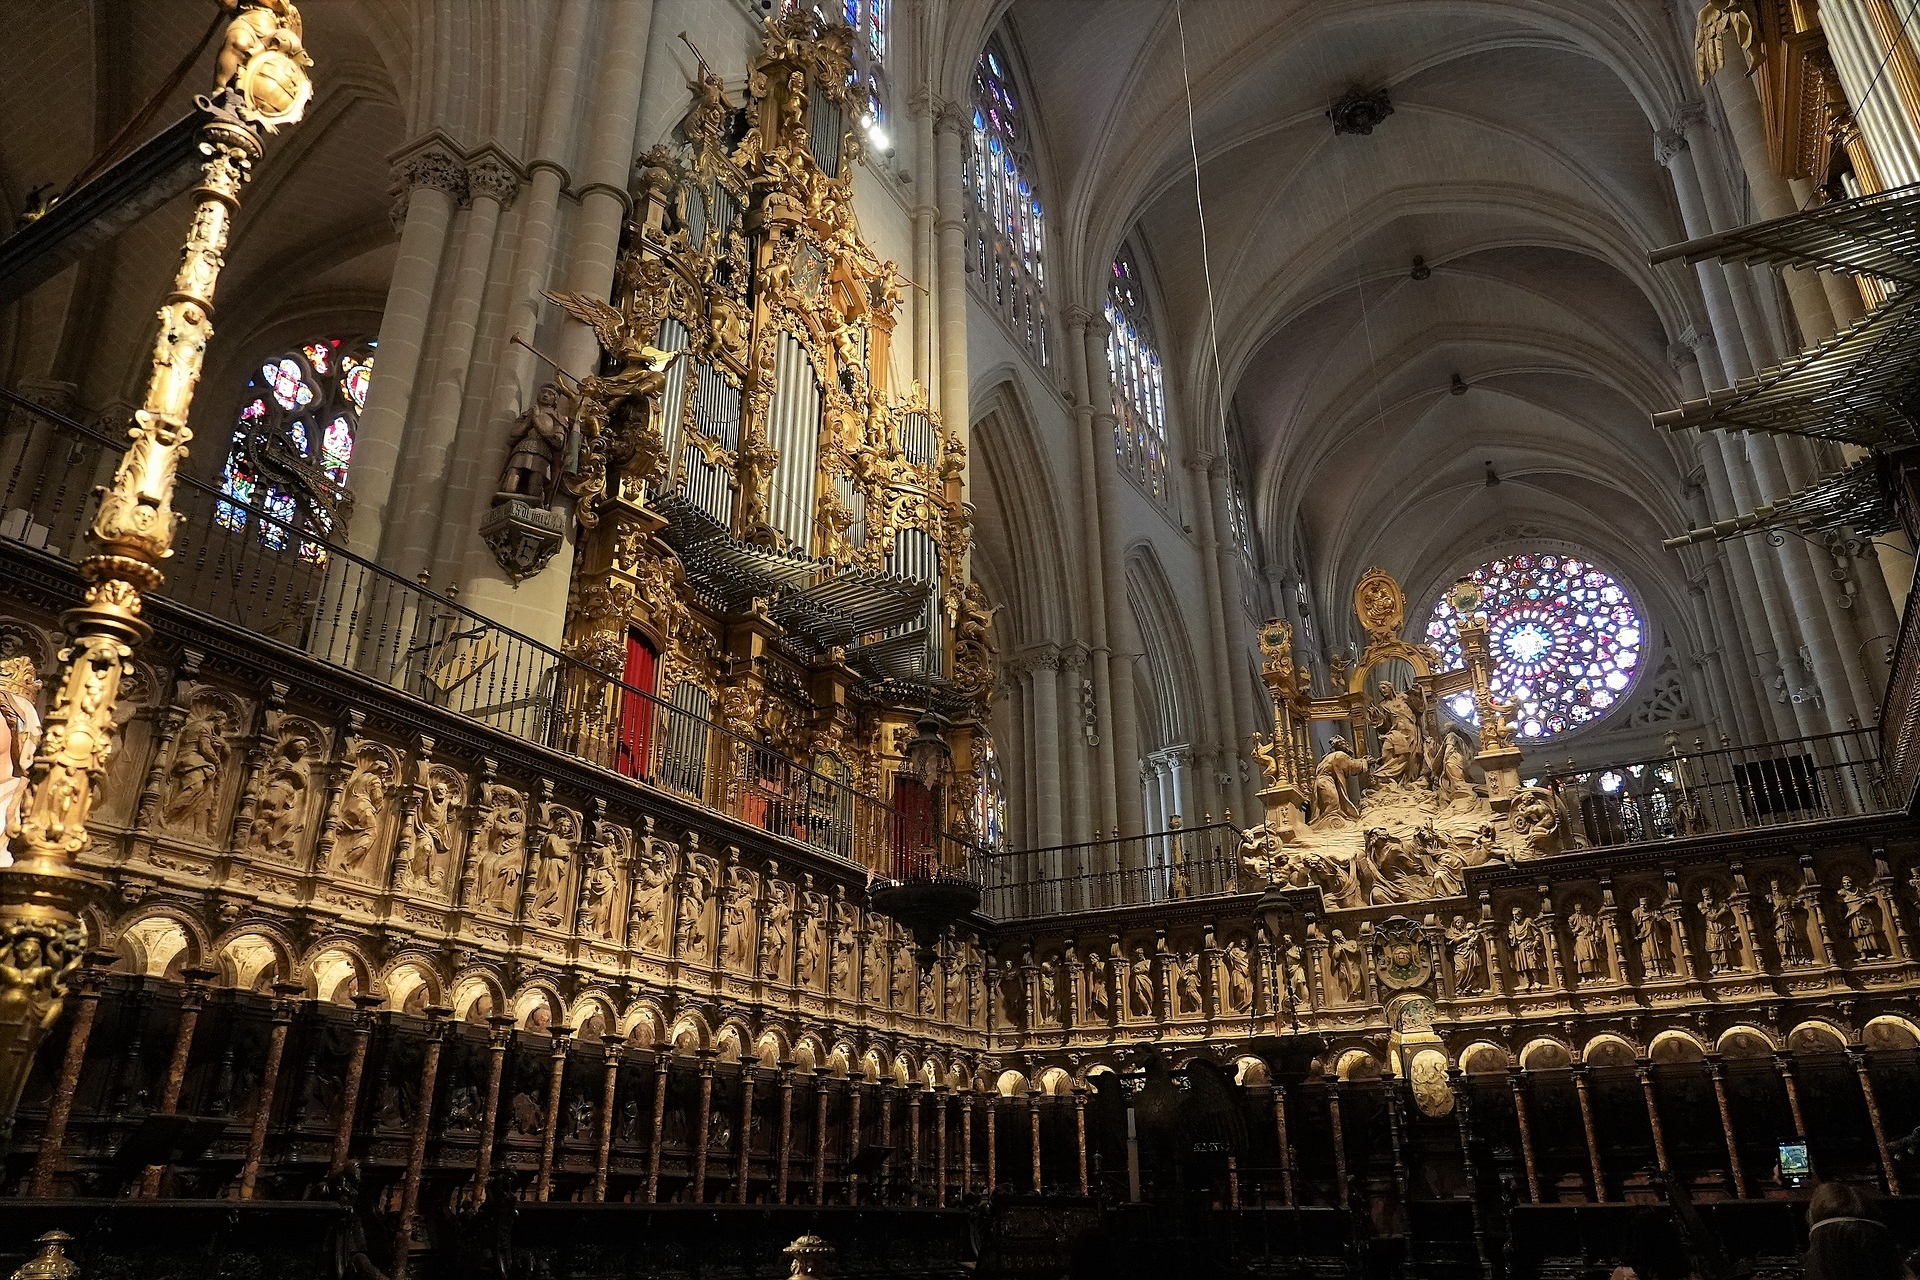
[
  {"x": 193, "y": 784},
  {"x": 1535, "y": 818},
  {"x": 1402, "y": 753},
  {"x": 1186, "y": 988},
  {"x": 1332, "y": 806},
  {"x": 1787, "y": 939},
  {"x": 1722, "y": 935},
  {"x": 651, "y": 874},
  {"x": 1347, "y": 975},
  {"x": 1584, "y": 927},
  {"x": 774, "y": 918},
  {"x": 1463, "y": 945},
  {"x": 550, "y": 876},
  {"x": 1239, "y": 964},
  {"x": 1293, "y": 961},
  {"x": 503, "y": 847},
  {"x": 1140, "y": 983},
  {"x": 1651, "y": 934},
  {"x": 840, "y": 966},
  {"x": 1863, "y": 920},
  {"x": 1525, "y": 944},
  {"x": 359, "y": 825},
  {"x": 433, "y": 833},
  {"x": 1450, "y": 775},
  {"x": 600, "y": 888},
  {"x": 808, "y": 974},
  {"x": 690, "y": 931},
  {"x": 739, "y": 939},
  {"x": 1049, "y": 979},
  {"x": 535, "y": 452},
  {"x": 277, "y": 821}
]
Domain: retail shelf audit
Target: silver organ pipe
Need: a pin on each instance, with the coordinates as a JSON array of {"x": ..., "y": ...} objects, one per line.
[
  {"x": 673, "y": 401},
  {"x": 793, "y": 429},
  {"x": 915, "y": 555}
]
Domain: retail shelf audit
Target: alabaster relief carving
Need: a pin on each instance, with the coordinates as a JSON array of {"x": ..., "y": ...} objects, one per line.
[
  {"x": 500, "y": 851},
  {"x": 201, "y": 752},
  {"x": 652, "y": 909},
  {"x": 364, "y": 824},
  {"x": 552, "y": 868},
  {"x": 1589, "y": 942},
  {"x": 1526, "y": 946},
  {"x": 776, "y": 919},
  {"x": 1721, "y": 932},
  {"x": 1466, "y": 949},
  {"x": 1653, "y": 937},
  {"x": 1789, "y": 937},
  {"x": 281, "y": 814},
  {"x": 605, "y": 855}
]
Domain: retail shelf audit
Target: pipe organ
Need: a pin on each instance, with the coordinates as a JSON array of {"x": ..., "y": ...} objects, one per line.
[{"x": 778, "y": 525}]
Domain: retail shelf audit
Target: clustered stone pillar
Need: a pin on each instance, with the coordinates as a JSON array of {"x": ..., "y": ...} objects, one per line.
[
  {"x": 499, "y": 1036},
  {"x": 86, "y": 1005}
]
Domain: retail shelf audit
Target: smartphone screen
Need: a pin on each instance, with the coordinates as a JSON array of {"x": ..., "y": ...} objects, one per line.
[{"x": 1793, "y": 1160}]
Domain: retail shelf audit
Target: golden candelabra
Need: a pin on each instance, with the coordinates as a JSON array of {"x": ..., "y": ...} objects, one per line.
[{"x": 260, "y": 84}]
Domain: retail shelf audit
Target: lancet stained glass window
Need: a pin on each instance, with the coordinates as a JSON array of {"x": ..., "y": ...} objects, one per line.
[
  {"x": 286, "y": 468},
  {"x": 1007, "y": 235},
  {"x": 1139, "y": 393},
  {"x": 1565, "y": 636},
  {"x": 990, "y": 801}
]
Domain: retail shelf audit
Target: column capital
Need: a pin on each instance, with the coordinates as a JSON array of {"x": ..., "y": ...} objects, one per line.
[
  {"x": 951, "y": 117},
  {"x": 1668, "y": 144},
  {"x": 433, "y": 161},
  {"x": 1076, "y": 316},
  {"x": 492, "y": 175}
]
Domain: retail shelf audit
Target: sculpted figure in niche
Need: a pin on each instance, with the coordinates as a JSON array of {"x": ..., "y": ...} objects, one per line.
[
  {"x": 1787, "y": 938},
  {"x": 1347, "y": 974},
  {"x": 359, "y": 827},
  {"x": 651, "y": 874},
  {"x": 1526, "y": 945},
  {"x": 1099, "y": 991},
  {"x": 1584, "y": 927},
  {"x": 1140, "y": 983},
  {"x": 1450, "y": 769},
  {"x": 601, "y": 888},
  {"x": 433, "y": 833},
  {"x": 1239, "y": 976},
  {"x": 739, "y": 939},
  {"x": 550, "y": 879},
  {"x": 1050, "y": 991},
  {"x": 1463, "y": 946},
  {"x": 840, "y": 967},
  {"x": 1332, "y": 806},
  {"x": 1296, "y": 971},
  {"x": 503, "y": 847},
  {"x": 775, "y": 917},
  {"x": 1722, "y": 933},
  {"x": 1655, "y": 941},
  {"x": 1187, "y": 986},
  {"x": 536, "y": 451},
  {"x": 808, "y": 974},
  {"x": 1863, "y": 920},
  {"x": 1012, "y": 997},
  {"x": 1402, "y": 749},
  {"x": 283, "y": 800},
  {"x": 193, "y": 784},
  {"x": 690, "y": 941},
  {"x": 902, "y": 968}
]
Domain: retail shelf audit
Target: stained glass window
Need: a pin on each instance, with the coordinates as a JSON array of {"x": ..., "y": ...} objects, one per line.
[
  {"x": 1139, "y": 392},
  {"x": 871, "y": 21},
  {"x": 1566, "y": 640},
  {"x": 990, "y": 801},
  {"x": 1007, "y": 232},
  {"x": 286, "y": 468}
]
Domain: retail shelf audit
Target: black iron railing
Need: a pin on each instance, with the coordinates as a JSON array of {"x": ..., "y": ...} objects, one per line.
[
  {"x": 242, "y": 564},
  {"x": 1164, "y": 866},
  {"x": 1727, "y": 789}
]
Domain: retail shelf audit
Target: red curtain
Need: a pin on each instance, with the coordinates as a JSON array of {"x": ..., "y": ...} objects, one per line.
[
  {"x": 636, "y": 713},
  {"x": 916, "y": 855}
]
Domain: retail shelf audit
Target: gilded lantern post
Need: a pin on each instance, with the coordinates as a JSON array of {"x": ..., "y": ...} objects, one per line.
[
  {"x": 1499, "y": 757},
  {"x": 1277, "y": 752},
  {"x": 260, "y": 83}
]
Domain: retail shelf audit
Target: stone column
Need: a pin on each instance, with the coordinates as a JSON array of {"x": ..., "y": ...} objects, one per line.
[
  {"x": 86, "y": 1005},
  {"x": 284, "y": 992},
  {"x": 1045, "y": 676},
  {"x": 1516, "y": 1081},
  {"x": 966, "y": 1144},
  {"x": 659, "y": 1125},
  {"x": 1033, "y": 1125},
  {"x": 417, "y": 1145},
  {"x": 1286, "y": 1145},
  {"x": 820, "y": 1101},
  {"x": 950, "y": 125},
  {"x": 610, "y": 1086},
  {"x": 1080, "y": 1133},
  {"x": 1580, "y": 1086},
  {"x": 1114, "y": 775},
  {"x": 1860, "y": 1069},
  {"x": 192, "y": 999},
  {"x": 740, "y": 1173},
  {"x": 499, "y": 1037},
  {"x": 785, "y": 1134},
  {"x": 538, "y": 607},
  {"x": 1340, "y": 1189},
  {"x": 1645, "y": 1072},
  {"x": 1076, "y": 805},
  {"x": 699, "y": 1134},
  {"x": 434, "y": 183},
  {"x": 1216, "y": 548},
  {"x": 556, "y": 1084},
  {"x": 1717, "y": 1071},
  {"x": 1123, "y": 633},
  {"x": 433, "y": 526}
]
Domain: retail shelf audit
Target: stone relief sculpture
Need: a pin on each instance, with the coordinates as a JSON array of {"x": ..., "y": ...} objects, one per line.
[
  {"x": 1653, "y": 937},
  {"x": 1348, "y": 979},
  {"x": 1788, "y": 940},
  {"x": 1863, "y": 920},
  {"x": 1333, "y": 807},
  {"x": 1722, "y": 933},
  {"x": 1526, "y": 944},
  {"x": 19, "y": 732},
  {"x": 1583, "y": 926},
  {"x": 699, "y": 881},
  {"x": 200, "y": 753},
  {"x": 502, "y": 838},
  {"x": 1239, "y": 966},
  {"x": 1293, "y": 961},
  {"x": 536, "y": 451},
  {"x": 1465, "y": 949},
  {"x": 736, "y": 933},
  {"x": 280, "y": 816},
  {"x": 776, "y": 916},
  {"x": 652, "y": 873},
  {"x": 1140, "y": 999},
  {"x": 434, "y": 831},
  {"x": 553, "y": 866},
  {"x": 363, "y": 805},
  {"x": 600, "y": 886}
]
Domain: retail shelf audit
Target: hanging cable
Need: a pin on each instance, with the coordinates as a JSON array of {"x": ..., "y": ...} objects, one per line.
[{"x": 1200, "y": 208}]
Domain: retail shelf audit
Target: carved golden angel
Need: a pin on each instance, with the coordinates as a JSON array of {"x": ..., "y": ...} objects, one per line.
[{"x": 614, "y": 415}]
